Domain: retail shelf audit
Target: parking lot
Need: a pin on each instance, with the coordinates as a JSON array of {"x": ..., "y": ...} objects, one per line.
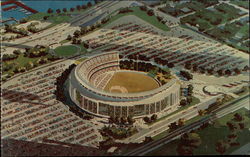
[{"x": 31, "y": 112}]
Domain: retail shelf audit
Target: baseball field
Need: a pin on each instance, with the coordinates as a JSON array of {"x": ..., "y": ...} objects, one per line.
[{"x": 130, "y": 82}]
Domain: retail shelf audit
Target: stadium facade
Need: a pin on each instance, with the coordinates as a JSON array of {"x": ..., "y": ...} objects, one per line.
[{"x": 88, "y": 79}]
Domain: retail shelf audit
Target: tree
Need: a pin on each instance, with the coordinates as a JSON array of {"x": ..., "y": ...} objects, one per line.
[
  {"x": 118, "y": 120},
  {"x": 170, "y": 65},
  {"x": 89, "y": 4},
  {"x": 147, "y": 119},
  {"x": 84, "y": 6},
  {"x": 23, "y": 20},
  {"x": 50, "y": 11},
  {"x": 148, "y": 139},
  {"x": 17, "y": 52},
  {"x": 181, "y": 122},
  {"x": 77, "y": 33},
  {"x": 228, "y": 72},
  {"x": 78, "y": 7},
  {"x": 69, "y": 37},
  {"x": 58, "y": 11},
  {"x": 29, "y": 65},
  {"x": 83, "y": 30},
  {"x": 45, "y": 17},
  {"x": 231, "y": 126},
  {"x": 221, "y": 146},
  {"x": 201, "y": 112},
  {"x": 111, "y": 119},
  {"x": 195, "y": 68},
  {"x": 65, "y": 10},
  {"x": 237, "y": 71},
  {"x": 183, "y": 102},
  {"x": 173, "y": 126},
  {"x": 72, "y": 9},
  {"x": 74, "y": 41},
  {"x": 193, "y": 139},
  {"x": 188, "y": 66},
  {"x": 190, "y": 90},
  {"x": 189, "y": 99},
  {"x": 186, "y": 75},
  {"x": 238, "y": 117},
  {"x": 246, "y": 68},
  {"x": 232, "y": 136},
  {"x": 154, "y": 117},
  {"x": 242, "y": 126},
  {"x": 130, "y": 120},
  {"x": 159, "y": 18},
  {"x": 188, "y": 142},
  {"x": 150, "y": 12},
  {"x": 124, "y": 120},
  {"x": 143, "y": 8},
  {"x": 220, "y": 72},
  {"x": 86, "y": 45},
  {"x": 22, "y": 69}
]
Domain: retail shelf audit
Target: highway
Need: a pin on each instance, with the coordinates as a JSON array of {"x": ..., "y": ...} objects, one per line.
[
  {"x": 60, "y": 32},
  {"x": 221, "y": 112},
  {"x": 162, "y": 125}
]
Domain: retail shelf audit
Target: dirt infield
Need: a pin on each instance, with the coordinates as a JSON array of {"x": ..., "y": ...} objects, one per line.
[{"x": 130, "y": 82}]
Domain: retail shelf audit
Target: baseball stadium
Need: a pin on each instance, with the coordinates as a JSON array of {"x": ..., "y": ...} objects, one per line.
[{"x": 99, "y": 86}]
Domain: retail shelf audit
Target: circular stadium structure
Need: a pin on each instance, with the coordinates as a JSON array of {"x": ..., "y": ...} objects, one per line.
[{"x": 98, "y": 86}]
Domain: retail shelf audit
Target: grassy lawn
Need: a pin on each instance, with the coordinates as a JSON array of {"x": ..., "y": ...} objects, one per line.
[
  {"x": 55, "y": 18},
  {"x": 209, "y": 137},
  {"x": 83, "y": 49},
  {"x": 21, "y": 61},
  {"x": 243, "y": 111},
  {"x": 67, "y": 50},
  {"x": 142, "y": 15}
]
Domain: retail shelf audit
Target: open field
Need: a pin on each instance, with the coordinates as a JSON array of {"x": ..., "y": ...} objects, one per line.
[
  {"x": 142, "y": 15},
  {"x": 22, "y": 61},
  {"x": 132, "y": 81},
  {"x": 66, "y": 50}
]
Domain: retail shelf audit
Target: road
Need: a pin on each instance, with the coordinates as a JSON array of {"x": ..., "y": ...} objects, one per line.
[
  {"x": 61, "y": 31},
  {"x": 162, "y": 125},
  {"x": 156, "y": 144}
]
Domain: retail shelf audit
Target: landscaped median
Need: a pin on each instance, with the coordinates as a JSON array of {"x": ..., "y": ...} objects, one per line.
[{"x": 194, "y": 102}]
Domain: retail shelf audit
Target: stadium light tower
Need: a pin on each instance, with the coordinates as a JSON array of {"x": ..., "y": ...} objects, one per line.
[{"x": 137, "y": 61}]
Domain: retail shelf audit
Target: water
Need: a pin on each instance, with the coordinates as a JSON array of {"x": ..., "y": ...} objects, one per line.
[{"x": 41, "y": 6}]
